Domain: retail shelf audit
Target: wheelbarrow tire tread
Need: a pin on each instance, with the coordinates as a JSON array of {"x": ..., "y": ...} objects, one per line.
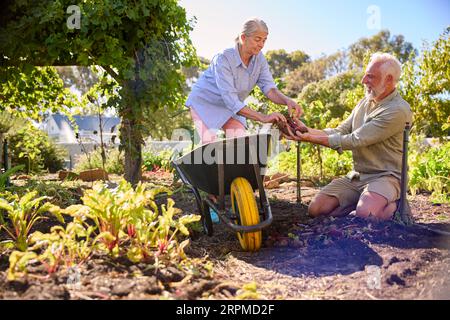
[{"x": 243, "y": 197}]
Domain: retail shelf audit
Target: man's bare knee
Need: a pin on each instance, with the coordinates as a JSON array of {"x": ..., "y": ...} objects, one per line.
[
  {"x": 322, "y": 205},
  {"x": 371, "y": 206},
  {"x": 314, "y": 209}
]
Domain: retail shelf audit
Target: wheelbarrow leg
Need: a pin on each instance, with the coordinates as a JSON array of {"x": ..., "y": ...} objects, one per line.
[{"x": 203, "y": 207}]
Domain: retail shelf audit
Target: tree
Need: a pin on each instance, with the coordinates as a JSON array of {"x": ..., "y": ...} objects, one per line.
[
  {"x": 141, "y": 44},
  {"x": 29, "y": 91},
  {"x": 331, "y": 99},
  {"x": 282, "y": 63},
  {"x": 316, "y": 70},
  {"x": 382, "y": 42},
  {"x": 426, "y": 87},
  {"x": 80, "y": 78}
]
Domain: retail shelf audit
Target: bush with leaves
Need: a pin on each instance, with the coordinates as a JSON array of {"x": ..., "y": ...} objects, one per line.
[
  {"x": 430, "y": 171},
  {"x": 426, "y": 86},
  {"x": 153, "y": 160},
  {"x": 319, "y": 164},
  {"x": 34, "y": 149},
  {"x": 93, "y": 160}
]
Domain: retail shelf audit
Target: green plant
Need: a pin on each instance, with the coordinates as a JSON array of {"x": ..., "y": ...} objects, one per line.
[
  {"x": 7, "y": 174},
  {"x": 430, "y": 171},
  {"x": 153, "y": 161},
  {"x": 68, "y": 246},
  {"x": 23, "y": 213},
  {"x": 128, "y": 219},
  {"x": 323, "y": 169},
  {"x": 62, "y": 194},
  {"x": 156, "y": 235},
  {"x": 93, "y": 160},
  {"x": 18, "y": 262},
  {"x": 33, "y": 148}
]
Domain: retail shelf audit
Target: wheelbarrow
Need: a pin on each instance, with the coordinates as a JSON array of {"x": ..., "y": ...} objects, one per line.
[{"x": 233, "y": 167}]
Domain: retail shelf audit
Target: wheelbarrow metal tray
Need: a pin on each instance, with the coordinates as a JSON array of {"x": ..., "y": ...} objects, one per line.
[{"x": 238, "y": 156}]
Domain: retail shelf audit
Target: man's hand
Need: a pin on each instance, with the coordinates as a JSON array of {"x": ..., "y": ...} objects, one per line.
[
  {"x": 302, "y": 136},
  {"x": 294, "y": 109}
]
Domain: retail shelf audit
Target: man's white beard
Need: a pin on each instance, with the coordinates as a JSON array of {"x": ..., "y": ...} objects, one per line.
[{"x": 375, "y": 92}]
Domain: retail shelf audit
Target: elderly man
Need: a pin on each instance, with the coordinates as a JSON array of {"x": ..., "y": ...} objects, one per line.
[{"x": 373, "y": 132}]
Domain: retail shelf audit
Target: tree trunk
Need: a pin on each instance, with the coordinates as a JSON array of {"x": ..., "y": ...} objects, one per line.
[
  {"x": 131, "y": 143},
  {"x": 131, "y": 140}
]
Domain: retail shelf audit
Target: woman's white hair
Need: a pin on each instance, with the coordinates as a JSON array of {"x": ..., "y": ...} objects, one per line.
[
  {"x": 390, "y": 64},
  {"x": 251, "y": 26}
]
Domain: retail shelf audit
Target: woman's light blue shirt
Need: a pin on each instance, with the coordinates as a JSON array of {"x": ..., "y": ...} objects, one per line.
[{"x": 221, "y": 90}]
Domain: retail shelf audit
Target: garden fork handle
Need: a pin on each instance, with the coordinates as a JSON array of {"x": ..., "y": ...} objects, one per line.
[{"x": 404, "y": 210}]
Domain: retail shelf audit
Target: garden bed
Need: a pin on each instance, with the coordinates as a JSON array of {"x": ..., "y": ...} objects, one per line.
[{"x": 301, "y": 258}]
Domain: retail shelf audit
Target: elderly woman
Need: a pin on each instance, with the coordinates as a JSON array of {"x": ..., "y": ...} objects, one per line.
[{"x": 217, "y": 99}]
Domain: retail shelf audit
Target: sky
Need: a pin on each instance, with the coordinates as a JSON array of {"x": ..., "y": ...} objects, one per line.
[{"x": 315, "y": 26}]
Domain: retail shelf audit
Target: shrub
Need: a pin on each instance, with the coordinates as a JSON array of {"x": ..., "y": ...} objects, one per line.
[
  {"x": 430, "y": 171},
  {"x": 93, "y": 160},
  {"x": 318, "y": 163},
  {"x": 34, "y": 149},
  {"x": 157, "y": 160}
]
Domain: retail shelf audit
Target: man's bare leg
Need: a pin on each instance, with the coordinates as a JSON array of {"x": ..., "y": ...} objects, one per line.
[
  {"x": 343, "y": 211},
  {"x": 373, "y": 206},
  {"x": 322, "y": 204}
]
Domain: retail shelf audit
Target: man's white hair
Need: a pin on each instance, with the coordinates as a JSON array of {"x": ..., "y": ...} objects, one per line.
[{"x": 390, "y": 64}]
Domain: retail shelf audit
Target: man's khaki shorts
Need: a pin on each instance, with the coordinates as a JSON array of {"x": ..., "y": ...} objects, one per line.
[{"x": 349, "y": 191}]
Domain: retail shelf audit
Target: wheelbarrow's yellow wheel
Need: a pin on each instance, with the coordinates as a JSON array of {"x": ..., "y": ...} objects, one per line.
[{"x": 244, "y": 206}]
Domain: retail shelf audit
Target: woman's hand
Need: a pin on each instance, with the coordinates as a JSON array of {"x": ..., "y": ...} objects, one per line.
[
  {"x": 294, "y": 109},
  {"x": 273, "y": 118}
]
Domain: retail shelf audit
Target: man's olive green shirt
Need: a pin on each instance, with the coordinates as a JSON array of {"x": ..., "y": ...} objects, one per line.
[{"x": 374, "y": 133}]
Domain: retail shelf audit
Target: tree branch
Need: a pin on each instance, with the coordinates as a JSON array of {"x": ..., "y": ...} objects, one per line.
[{"x": 112, "y": 73}]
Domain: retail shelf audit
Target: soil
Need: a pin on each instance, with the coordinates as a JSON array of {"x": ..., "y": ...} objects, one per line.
[{"x": 301, "y": 258}]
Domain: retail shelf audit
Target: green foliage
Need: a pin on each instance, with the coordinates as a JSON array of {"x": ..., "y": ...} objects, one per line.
[
  {"x": 110, "y": 211},
  {"x": 22, "y": 214},
  {"x": 426, "y": 87},
  {"x": 9, "y": 123},
  {"x": 27, "y": 91},
  {"x": 281, "y": 62},
  {"x": 316, "y": 70},
  {"x": 34, "y": 149},
  {"x": 121, "y": 221},
  {"x": 153, "y": 161},
  {"x": 430, "y": 171},
  {"x": 18, "y": 262},
  {"x": 70, "y": 246},
  {"x": 93, "y": 160},
  {"x": 155, "y": 235},
  {"x": 128, "y": 220},
  {"x": 7, "y": 174},
  {"x": 330, "y": 99},
  {"x": 318, "y": 164},
  {"x": 381, "y": 42},
  {"x": 142, "y": 45},
  {"x": 61, "y": 194}
]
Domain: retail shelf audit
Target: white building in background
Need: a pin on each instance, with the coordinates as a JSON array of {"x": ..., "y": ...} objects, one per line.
[{"x": 62, "y": 130}]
